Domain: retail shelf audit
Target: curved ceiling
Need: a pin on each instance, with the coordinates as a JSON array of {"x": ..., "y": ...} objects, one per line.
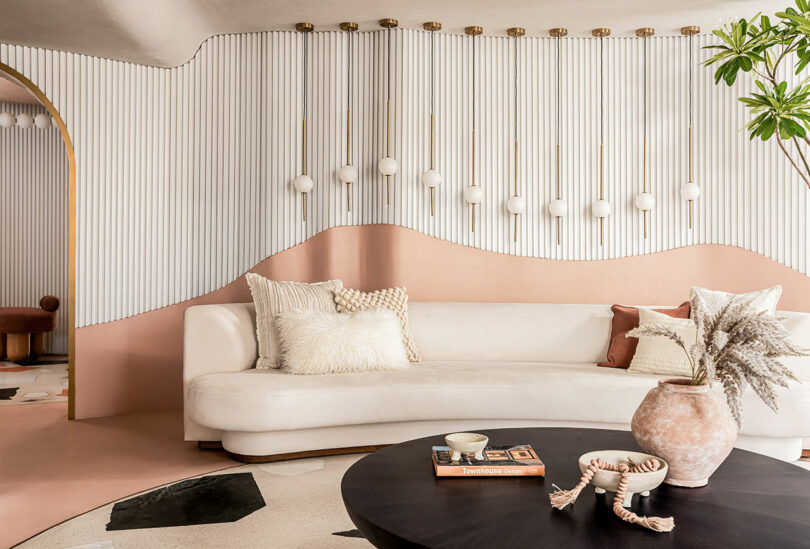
[{"x": 166, "y": 33}]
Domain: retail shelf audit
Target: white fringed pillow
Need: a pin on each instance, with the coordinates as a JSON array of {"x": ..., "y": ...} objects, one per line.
[
  {"x": 759, "y": 301},
  {"x": 659, "y": 354},
  {"x": 315, "y": 342}
]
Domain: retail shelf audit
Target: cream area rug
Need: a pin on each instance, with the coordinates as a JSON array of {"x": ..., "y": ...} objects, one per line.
[
  {"x": 293, "y": 504},
  {"x": 33, "y": 383}
]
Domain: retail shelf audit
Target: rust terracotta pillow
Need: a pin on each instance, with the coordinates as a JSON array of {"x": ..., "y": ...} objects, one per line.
[{"x": 621, "y": 350}]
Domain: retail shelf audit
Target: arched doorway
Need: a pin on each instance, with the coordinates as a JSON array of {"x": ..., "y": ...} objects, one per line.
[{"x": 71, "y": 301}]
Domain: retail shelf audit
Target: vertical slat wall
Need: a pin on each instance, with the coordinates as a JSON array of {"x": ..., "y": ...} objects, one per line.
[
  {"x": 185, "y": 175},
  {"x": 34, "y": 219}
]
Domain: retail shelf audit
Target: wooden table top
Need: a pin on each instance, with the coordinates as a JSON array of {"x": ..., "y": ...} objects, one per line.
[{"x": 395, "y": 500}]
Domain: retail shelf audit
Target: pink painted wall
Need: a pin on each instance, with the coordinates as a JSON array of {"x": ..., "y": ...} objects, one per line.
[{"x": 136, "y": 363}]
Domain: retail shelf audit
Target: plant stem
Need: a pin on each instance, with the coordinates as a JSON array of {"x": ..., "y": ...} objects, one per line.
[
  {"x": 801, "y": 155},
  {"x": 793, "y": 162}
]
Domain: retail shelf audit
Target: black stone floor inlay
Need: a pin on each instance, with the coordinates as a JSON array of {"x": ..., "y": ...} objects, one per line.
[
  {"x": 8, "y": 393},
  {"x": 350, "y": 534},
  {"x": 206, "y": 500}
]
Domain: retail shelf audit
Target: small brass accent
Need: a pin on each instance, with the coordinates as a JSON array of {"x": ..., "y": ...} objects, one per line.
[
  {"x": 474, "y": 30},
  {"x": 389, "y": 23},
  {"x": 644, "y": 32},
  {"x": 516, "y": 31},
  {"x": 432, "y": 26},
  {"x": 348, "y": 26},
  {"x": 558, "y": 32},
  {"x": 690, "y": 30},
  {"x": 304, "y": 27},
  {"x": 601, "y": 32}
]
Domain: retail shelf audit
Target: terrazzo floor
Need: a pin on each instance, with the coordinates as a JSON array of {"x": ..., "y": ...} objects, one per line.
[
  {"x": 294, "y": 504},
  {"x": 33, "y": 383}
]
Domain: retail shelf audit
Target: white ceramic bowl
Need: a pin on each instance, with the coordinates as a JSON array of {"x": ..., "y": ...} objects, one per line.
[
  {"x": 639, "y": 483},
  {"x": 466, "y": 443}
]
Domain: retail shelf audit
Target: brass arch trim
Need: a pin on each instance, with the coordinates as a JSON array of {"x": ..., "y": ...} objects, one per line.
[{"x": 60, "y": 123}]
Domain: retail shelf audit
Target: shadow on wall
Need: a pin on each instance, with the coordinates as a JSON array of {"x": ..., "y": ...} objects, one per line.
[{"x": 135, "y": 363}]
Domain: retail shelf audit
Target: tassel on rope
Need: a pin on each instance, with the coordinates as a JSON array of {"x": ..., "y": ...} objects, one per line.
[{"x": 561, "y": 498}]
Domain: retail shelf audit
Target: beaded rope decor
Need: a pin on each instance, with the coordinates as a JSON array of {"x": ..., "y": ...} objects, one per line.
[{"x": 561, "y": 498}]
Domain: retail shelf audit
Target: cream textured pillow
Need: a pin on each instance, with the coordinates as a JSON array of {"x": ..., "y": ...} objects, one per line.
[
  {"x": 661, "y": 355},
  {"x": 762, "y": 300},
  {"x": 314, "y": 342},
  {"x": 272, "y": 298},
  {"x": 395, "y": 299}
]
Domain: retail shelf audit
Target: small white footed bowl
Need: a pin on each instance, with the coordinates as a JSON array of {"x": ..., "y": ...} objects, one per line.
[
  {"x": 638, "y": 483},
  {"x": 466, "y": 443}
]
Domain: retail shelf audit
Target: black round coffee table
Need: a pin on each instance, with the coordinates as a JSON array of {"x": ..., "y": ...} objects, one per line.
[{"x": 395, "y": 500}]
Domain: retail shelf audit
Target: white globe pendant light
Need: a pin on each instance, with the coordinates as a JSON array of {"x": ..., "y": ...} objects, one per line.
[
  {"x": 25, "y": 120},
  {"x": 348, "y": 173},
  {"x": 601, "y": 209},
  {"x": 432, "y": 178},
  {"x": 558, "y": 208},
  {"x": 388, "y": 166},
  {"x": 303, "y": 183},
  {"x": 7, "y": 120},
  {"x": 42, "y": 121},
  {"x": 473, "y": 195},
  {"x": 644, "y": 201},
  {"x": 516, "y": 205}
]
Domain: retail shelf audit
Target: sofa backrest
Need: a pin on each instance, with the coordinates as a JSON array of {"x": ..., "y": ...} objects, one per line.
[{"x": 518, "y": 332}]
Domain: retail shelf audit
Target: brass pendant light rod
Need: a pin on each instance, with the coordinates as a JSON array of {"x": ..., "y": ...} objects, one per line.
[
  {"x": 473, "y": 31},
  {"x": 601, "y": 33},
  {"x": 690, "y": 31},
  {"x": 516, "y": 32},
  {"x": 432, "y": 27},
  {"x": 388, "y": 24},
  {"x": 644, "y": 33},
  {"x": 349, "y": 27},
  {"x": 557, "y": 34},
  {"x": 305, "y": 28}
]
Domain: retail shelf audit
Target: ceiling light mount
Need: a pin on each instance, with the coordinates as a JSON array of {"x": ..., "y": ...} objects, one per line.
[
  {"x": 348, "y": 26},
  {"x": 559, "y": 32},
  {"x": 304, "y": 27},
  {"x": 645, "y": 32},
  {"x": 690, "y": 30},
  {"x": 516, "y": 32},
  {"x": 473, "y": 31},
  {"x": 389, "y": 23},
  {"x": 432, "y": 26},
  {"x": 602, "y": 32}
]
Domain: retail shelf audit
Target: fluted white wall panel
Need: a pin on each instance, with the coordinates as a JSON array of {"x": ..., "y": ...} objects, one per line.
[
  {"x": 185, "y": 175},
  {"x": 34, "y": 219}
]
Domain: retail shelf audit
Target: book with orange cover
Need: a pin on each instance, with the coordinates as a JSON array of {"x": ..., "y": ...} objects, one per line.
[{"x": 499, "y": 461}]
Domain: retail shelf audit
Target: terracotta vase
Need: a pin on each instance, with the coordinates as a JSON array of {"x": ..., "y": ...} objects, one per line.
[{"x": 689, "y": 426}]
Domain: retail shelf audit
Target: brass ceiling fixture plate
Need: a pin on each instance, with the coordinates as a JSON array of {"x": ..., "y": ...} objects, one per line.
[
  {"x": 645, "y": 32},
  {"x": 304, "y": 27},
  {"x": 389, "y": 23},
  {"x": 600, "y": 32},
  {"x": 473, "y": 31},
  {"x": 516, "y": 31},
  {"x": 558, "y": 32},
  {"x": 432, "y": 26},
  {"x": 348, "y": 26},
  {"x": 690, "y": 30}
]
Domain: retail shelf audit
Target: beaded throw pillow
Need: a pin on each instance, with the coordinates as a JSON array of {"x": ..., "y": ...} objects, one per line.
[{"x": 394, "y": 299}]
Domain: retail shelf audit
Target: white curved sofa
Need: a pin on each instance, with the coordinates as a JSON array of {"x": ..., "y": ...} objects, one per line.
[{"x": 485, "y": 365}]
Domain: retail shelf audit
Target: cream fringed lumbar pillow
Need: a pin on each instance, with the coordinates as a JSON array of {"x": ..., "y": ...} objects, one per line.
[
  {"x": 314, "y": 342},
  {"x": 659, "y": 354},
  {"x": 394, "y": 299},
  {"x": 272, "y": 297},
  {"x": 759, "y": 301}
]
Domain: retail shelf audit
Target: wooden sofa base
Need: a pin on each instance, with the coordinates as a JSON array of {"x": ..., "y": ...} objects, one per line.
[{"x": 215, "y": 445}]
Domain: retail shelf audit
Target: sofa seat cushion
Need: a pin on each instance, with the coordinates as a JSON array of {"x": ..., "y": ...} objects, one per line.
[{"x": 270, "y": 400}]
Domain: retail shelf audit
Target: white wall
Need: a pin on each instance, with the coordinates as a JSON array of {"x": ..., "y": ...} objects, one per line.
[
  {"x": 33, "y": 219},
  {"x": 185, "y": 174}
]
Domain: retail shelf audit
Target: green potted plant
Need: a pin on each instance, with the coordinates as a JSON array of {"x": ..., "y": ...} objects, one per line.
[{"x": 760, "y": 47}]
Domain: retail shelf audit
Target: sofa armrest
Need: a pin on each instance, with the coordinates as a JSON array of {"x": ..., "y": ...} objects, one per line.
[{"x": 218, "y": 338}]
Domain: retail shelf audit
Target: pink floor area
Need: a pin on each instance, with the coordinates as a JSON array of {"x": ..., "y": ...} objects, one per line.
[{"x": 52, "y": 469}]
